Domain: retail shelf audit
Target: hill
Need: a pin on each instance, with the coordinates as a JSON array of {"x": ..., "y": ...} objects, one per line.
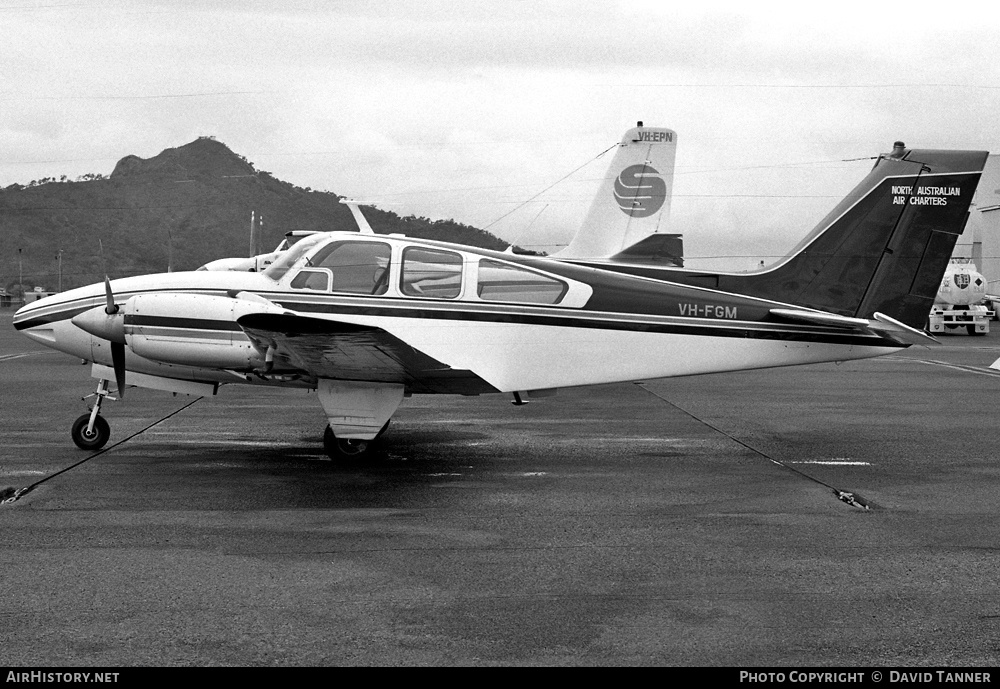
[{"x": 184, "y": 207}]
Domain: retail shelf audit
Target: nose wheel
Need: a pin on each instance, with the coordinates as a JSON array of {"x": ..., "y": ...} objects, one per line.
[
  {"x": 90, "y": 431},
  {"x": 90, "y": 437}
]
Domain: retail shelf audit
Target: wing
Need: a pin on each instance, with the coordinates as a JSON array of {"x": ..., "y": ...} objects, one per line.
[{"x": 346, "y": 351}]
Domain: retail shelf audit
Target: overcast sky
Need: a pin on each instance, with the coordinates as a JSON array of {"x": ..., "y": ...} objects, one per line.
[{"x": 467, "y": 110}]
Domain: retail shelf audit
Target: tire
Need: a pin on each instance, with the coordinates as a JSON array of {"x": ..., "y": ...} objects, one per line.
[
  {"x": 343, "y": 449},
  {"x": 95, "y": 440}
]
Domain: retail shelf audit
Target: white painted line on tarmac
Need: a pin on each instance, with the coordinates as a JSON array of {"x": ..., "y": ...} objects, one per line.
[
  {"x": 11, "y": 357},
  {"x": 978, "y": 370}
]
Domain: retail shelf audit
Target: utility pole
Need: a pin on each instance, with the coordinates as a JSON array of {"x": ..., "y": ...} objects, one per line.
[
  {"x": 20, "y": 276},
  {"x": 59, "y": 256},
  {"x": 255, "y": 227}
]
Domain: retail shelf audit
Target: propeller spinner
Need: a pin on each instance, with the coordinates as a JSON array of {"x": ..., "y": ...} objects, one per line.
[{"x": 108, "y": 323}]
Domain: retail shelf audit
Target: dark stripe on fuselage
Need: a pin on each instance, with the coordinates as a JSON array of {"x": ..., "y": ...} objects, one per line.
[
  {"x": 51, "y": 318},
  {"x": 575, "y": 318},
  {"x": 578, "y": 320},
  {"x": 176, "y": 322}
]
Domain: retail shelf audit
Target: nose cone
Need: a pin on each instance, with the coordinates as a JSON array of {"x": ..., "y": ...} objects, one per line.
[
  {"x": 99, "y": 323},
  {"x": 37, "y": 313},
  {"x": 31, "y": 322},
  {"x": 47, "y": 322}
]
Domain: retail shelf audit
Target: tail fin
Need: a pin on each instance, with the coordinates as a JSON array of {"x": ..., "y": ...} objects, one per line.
[
  {"x": 884, "y": 248},
  {"x": 634, "y": 199}
]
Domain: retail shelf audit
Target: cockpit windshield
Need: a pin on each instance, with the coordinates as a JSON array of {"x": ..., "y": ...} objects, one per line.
[{"x": 277, "y": 270}]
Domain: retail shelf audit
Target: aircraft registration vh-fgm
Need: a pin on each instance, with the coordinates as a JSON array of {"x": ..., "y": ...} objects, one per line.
[{"x": 366, "y": 320}]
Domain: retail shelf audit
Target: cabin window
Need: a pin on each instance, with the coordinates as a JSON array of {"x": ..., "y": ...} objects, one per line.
[
  {"x": 355, "y": 267},
  {"x": 312, "y": 279},
  {"x": 504, "y": 282},
  {"x": 431, "y": 273},
  {"x": 277, "y": 270}
]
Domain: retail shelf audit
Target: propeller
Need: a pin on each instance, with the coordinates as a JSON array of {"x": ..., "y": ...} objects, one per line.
[
  {"x": 108, "y": 323},
  {"x": 117, "y": 348}
]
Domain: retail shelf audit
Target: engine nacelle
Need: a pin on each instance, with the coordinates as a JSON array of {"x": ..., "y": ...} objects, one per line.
[{"x": 194, "y": 329}]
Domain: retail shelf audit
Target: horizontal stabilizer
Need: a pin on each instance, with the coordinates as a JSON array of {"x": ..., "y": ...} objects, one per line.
[
  {"x": 656, "y": 249},
  {"x": 901, "y": 331},
  {"x": 820, "y": 318},
  {"x": 882, "y": 324}
]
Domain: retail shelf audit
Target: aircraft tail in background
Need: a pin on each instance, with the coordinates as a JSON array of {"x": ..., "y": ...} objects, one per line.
[{"x": 633, "y": 202}]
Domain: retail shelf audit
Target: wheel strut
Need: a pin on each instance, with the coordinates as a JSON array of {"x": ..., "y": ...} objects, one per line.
[{"x": 91, "y": 431}]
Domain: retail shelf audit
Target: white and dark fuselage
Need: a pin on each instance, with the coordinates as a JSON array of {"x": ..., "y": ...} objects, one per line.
[
  {"x": 545, "y": 324},
  {"x": 366, "y": 319}
]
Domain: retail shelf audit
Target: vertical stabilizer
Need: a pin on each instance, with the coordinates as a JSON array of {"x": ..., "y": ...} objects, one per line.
[
  {"x": 634, "y": 199},
  {"x": 884, "y": 248}
]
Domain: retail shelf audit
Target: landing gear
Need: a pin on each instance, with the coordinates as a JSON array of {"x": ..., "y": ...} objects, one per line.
[
  {"x": 349, "y": 449},
  {"x": 87, "y": 438},
  {"x": 358, "y": 414},
  {"x": 91, "y": 431},
  {"x": 339, "y": 449}
]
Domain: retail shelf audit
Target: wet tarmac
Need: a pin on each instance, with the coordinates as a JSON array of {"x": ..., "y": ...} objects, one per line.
[{"x": 841, "y": 515}]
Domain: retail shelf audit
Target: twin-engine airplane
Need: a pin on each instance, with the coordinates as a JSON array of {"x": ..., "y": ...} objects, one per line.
[{"x": 366, "y": 319}]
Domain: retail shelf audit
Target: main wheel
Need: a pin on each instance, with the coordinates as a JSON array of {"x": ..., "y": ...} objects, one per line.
[
  {"x": 94, "y": 440},
  {"x": 339, "y": 449}
]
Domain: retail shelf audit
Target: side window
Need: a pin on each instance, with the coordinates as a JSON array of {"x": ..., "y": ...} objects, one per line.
[
  {"x": 312, "y": 279},
  {"x": 504, "y": 282},
  {"x": 356, "y": 267},
  {"x": 288, "y": 258},
  {"x": 431, "y": 273}
]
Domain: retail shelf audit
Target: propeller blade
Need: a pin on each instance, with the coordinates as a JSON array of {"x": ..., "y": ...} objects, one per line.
[
  {"x": 118, "y": 360},
  {"x": 111, "y": 308}
]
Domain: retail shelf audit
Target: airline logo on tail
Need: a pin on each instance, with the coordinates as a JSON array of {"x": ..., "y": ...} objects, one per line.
[
  {"x": 633, "y": 201},
  {"x": 639, "y": 191}
]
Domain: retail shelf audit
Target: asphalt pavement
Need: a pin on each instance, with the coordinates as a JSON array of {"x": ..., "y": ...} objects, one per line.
[{"x": 825, "y": 515}]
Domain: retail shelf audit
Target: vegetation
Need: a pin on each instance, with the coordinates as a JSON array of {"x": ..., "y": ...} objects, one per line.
[{"x": 182, "y": 208}]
